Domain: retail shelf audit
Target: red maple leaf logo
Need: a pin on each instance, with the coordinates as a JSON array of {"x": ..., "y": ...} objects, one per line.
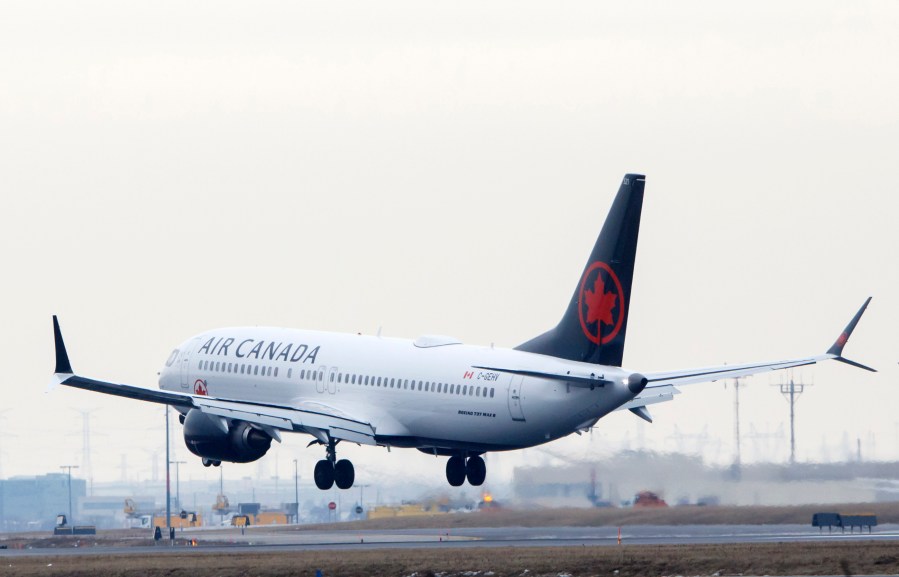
[
  {"x": 604, "y": 310},
  {"x": 600, "y": 303}
]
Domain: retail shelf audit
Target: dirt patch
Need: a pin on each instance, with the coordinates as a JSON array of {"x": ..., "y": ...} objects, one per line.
[{"x": 840, "y": 558}]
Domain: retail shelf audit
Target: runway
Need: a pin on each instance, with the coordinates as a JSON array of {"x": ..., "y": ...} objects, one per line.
[{"x": 260, "y": 539}]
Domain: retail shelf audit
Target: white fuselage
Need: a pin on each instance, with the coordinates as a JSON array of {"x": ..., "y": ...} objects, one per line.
[{"x": 423, "y": 393}]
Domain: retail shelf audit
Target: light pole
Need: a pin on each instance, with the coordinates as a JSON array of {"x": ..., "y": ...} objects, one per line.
[
  {"x": 168, "y": 482},
  {"x": 178, "y": 481},
  {"x": 296, "y": 490},
  {"x": 69, "y": 469}
]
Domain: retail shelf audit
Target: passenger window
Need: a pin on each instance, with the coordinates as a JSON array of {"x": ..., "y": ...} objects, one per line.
[
  {"x": 354, "y": 379},
  {"x": 256, "y": 370},
  {"x": 491, "y": 393},
  {"x": 465, "y": 389},
  {"x": 276, "y": 371},
  {"x": 419, "y": 385}
]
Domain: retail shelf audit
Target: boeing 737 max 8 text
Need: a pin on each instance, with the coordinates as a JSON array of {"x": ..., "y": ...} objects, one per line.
[{"x": 237, "y": 389}]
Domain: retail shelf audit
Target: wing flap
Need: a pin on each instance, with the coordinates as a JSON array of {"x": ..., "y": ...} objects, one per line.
[
  {"x": 353, "y": 436},
  {"x": 290, "y": 419},
  {"x": 267, "y": 416}
]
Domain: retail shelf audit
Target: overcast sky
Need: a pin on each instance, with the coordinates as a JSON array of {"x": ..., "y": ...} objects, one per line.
[{"x": 171, "y": 167}]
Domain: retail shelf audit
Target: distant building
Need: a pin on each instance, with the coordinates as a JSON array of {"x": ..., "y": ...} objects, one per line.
[
  {"x": 32, "y": 503},
  {"x": 682, "y": 479}
]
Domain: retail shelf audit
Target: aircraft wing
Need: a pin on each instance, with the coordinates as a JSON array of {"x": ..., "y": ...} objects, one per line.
[
  {"x": 312, "y": 419},
  {"x": 702, "y": 375},
  {"x": 660, "y": 386}
]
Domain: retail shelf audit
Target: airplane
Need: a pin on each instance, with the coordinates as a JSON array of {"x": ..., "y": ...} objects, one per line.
[{"x": 238, "y": 389}]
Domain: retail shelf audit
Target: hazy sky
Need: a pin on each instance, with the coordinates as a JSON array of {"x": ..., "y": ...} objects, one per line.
[{"x": 170, "y": 167}]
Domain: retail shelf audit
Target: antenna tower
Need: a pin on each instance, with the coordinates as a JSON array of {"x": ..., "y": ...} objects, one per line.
[{"x": 791, "y": 393}]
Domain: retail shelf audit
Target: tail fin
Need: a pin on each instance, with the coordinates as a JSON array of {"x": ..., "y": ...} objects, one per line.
[{"x": 594, "y": 325}]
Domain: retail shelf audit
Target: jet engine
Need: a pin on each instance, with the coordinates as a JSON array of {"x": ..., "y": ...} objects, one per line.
[{"x": 219, "y": 439}]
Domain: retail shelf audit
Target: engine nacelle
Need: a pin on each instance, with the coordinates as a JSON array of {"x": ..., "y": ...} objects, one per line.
[{"x": 218, "y": 439}]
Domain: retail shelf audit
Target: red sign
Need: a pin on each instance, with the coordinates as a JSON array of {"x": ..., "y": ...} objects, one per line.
[{"x": 332, "y": 505}]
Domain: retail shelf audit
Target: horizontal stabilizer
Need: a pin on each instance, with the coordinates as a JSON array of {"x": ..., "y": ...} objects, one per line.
[{"x": 642, "y": 412}]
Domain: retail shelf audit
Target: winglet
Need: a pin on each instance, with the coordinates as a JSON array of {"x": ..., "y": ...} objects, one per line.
[
  {"x": 837, "y": 348},
  {"x": 62, "y": 357}
]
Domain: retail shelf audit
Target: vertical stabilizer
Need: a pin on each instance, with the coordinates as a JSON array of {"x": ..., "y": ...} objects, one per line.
[{"x": 593, "y": 327}]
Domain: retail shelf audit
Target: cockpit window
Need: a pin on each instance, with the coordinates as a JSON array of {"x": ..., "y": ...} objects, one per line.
[{"x": 172, "y": 358}]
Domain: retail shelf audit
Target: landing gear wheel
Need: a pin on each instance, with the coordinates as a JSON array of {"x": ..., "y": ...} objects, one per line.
[
  {"x": 455, "y": 471},
  {"x": 344, "y": 474},
  {"x": 476, "y": 471},
  {"x": 324, "y": 474}
]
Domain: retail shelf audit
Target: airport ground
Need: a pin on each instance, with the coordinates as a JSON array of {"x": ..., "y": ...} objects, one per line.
[{"x": 677, "y": 541}]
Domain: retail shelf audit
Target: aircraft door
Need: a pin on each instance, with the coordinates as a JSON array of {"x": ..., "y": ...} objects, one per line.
[
  {"x": 185, "y": 362},
  {"x": 332, "y": 380},
  {"x": 515, "y": 398}
]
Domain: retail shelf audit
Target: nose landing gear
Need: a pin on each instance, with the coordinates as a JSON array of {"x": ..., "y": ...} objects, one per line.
[
  {"x": 329, "y": 471},
  {"x": 458, "y": 469}
]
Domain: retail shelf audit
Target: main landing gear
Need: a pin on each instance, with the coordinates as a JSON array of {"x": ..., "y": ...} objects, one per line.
[
  {"x": 211, "y": 462},
  {"x": 330, "y": 471},
  {"x": 458, "y": 468}
]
